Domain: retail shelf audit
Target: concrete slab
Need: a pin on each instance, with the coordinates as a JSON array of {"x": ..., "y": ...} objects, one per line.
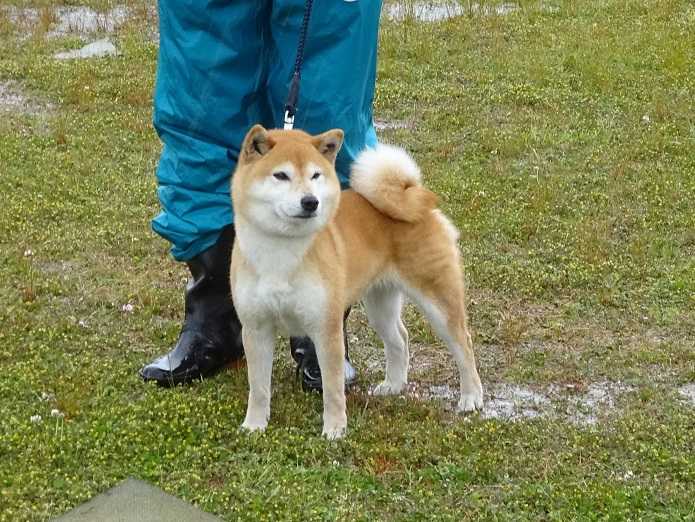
[{"x": 136, "y": 501}]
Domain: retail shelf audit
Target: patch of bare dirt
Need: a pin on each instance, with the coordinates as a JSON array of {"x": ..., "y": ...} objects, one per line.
[{"x": 14, "y": 99}]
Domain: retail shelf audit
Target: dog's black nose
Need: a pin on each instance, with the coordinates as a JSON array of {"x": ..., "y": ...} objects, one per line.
[{"x": 310, "y": 203}]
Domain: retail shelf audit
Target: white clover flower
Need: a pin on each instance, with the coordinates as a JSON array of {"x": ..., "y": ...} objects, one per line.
[
  {"x": 57, "y": 413},
  {"x": 28, "y": 252},
  {"x": 127, "y": 308},
  {"x": 35, "y": 419}
]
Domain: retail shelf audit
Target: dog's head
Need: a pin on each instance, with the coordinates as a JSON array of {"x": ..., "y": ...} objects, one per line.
[{"x": 285, "y": 182}]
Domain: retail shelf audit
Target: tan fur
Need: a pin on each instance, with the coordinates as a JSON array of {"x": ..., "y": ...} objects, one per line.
[{"x": 396, "y": 238}]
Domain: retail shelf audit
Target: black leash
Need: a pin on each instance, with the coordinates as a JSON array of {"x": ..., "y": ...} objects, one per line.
[{"x": 293, "y": 95}]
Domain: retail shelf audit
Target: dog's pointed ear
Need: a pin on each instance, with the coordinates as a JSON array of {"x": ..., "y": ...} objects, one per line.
[
  {"x": 257, "y": 143},
  {"x": 329, "y": 143}
]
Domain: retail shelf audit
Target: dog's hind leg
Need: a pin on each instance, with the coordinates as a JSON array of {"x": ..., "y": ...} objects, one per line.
[
  {"x": 383, "y": 304},
  {"x": 461, "y": 347},
  {"x": 258, "y": 347},
  {"x": 446, "y": 312}
]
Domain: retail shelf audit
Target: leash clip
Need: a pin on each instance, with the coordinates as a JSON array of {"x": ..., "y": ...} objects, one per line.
[{"x": 289, "y": 120}]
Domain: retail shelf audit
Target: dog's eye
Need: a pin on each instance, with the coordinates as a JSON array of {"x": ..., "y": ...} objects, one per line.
[
  {"x": 316, "y": 175},
  {"x": 281, "y": 176}
]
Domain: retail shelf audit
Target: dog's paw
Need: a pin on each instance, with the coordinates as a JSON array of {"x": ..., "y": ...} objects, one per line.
[
  {"x": 470, "y": 402},
  {"x": 254, "y": 426},
  {"x": 333, "y": 432},
  {"x": 388, "y": 388}
]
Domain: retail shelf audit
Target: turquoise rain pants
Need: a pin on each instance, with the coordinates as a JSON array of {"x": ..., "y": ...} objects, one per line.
[{"x": 225, "y": 65}]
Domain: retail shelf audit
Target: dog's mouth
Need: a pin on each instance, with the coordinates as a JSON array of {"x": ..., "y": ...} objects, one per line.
[{"x": 305, "y": 215}]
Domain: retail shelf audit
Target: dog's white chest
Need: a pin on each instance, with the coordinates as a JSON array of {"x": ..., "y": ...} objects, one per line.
[{"x": 294, "y": 304}]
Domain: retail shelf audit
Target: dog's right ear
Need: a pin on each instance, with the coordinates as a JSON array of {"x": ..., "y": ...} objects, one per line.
[{"x": 257, "y": 143}]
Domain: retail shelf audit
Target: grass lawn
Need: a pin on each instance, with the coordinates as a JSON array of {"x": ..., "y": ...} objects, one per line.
[{"x": 561, "y": 138}]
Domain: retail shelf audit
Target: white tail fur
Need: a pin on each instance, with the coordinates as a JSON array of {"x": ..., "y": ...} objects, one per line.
[{"x": 389, "y": 179}]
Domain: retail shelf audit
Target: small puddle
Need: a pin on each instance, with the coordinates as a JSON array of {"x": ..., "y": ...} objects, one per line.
[
  {"x": 69, "y": 20},
  {"x": 83, "y": 20},
  {"x": 512, "y": 402},
  {"x": 436, "y": 12},
  {"x": 382, "y": 125},
  {"x": 585, "y": 409}
]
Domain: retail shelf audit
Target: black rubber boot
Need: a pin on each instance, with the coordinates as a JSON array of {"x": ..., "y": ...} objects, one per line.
[
  {"x": 210, "y": 338},
  {"x": 304, "y": 354}
]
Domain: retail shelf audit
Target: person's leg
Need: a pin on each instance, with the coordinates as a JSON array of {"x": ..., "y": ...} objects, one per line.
[
  {"x": 209, "y": 91},
  {"x": 339, "y": 71},
  {"x": 337, "y": 90},
  {"x": 304, "y": 353}
]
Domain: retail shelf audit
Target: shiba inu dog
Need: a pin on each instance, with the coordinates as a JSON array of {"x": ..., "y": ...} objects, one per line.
[{"x": 305, "y": 251}]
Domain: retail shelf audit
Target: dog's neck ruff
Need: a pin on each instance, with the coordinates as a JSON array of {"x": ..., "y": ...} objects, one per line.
[{"x": 271, "y": 255}]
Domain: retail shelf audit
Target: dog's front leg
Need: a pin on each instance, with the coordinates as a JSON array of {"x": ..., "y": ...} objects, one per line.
[
  {"x": 330, "y": 351},
  {"x": 258, "y": 346}
]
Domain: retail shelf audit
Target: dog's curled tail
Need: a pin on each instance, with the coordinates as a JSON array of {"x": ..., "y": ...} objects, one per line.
[{"x": 389, "y": 179}]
